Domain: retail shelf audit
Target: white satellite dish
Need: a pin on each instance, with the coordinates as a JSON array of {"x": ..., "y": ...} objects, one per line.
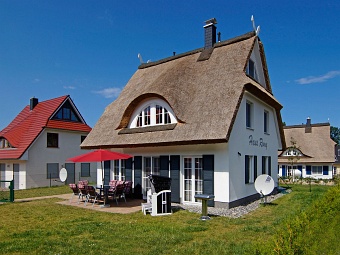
[
  {"x": 63, "y": 174},
  {"x": 264, "y": 184}
]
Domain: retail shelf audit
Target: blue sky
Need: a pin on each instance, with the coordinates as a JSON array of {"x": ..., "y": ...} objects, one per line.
[{"x": 88, "y": 49}]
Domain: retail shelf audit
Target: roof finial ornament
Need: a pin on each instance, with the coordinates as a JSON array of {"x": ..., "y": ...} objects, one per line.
[{"x": 256, "y": 29}]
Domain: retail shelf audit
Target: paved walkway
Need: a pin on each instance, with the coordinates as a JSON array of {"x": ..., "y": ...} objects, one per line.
[{"x": 131, "y": 205}]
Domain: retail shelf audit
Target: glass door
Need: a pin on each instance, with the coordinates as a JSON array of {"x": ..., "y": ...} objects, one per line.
[
  {"x": 192, "y": 181},
  {"x": 150, "y": 166}
]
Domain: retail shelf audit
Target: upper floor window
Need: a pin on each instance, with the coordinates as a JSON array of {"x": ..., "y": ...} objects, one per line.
[
  {"x": 266, "y": 122},
  {"x": 66, "y": 112},
  {"x": 52, "y": 140},
  {"x": 251, "y": 69},
  {"x": 249, "y": 114},
  {"x": 4, "y": 144},
  {"x": 151, "y": 113},
  {"x": 292, "y": 152}
]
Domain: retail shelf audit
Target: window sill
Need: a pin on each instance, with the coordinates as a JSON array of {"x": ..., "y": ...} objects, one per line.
[{"x": 147, "y": 129}]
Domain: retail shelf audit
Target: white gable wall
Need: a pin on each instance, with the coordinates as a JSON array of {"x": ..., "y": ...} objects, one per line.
[
  {"x": 261, "y": 145},
  {"x": 39, "y": 155}
]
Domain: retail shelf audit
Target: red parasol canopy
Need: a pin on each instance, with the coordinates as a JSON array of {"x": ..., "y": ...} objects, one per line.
[{"x": 99, "y": 155}]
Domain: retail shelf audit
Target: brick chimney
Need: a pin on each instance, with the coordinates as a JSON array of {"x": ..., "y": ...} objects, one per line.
[
  {"x": 210, "y": 33},
  {"x": 33, "y": 102},
  {"x": 308, "y": 128}
]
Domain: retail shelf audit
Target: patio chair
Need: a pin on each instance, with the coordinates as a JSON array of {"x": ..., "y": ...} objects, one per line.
[
  {"x": 112, "y": 184},
  {"x": 127, "y": 189},
  {"x": 117, "y": 193},
  {"x": 75, "y": 191},
  {"x": 82, "y": 186},
  {"x": 92, "y": 194}
]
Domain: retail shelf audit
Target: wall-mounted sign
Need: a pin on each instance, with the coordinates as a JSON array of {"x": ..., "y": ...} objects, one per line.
[{"x": 260, "y": 142}]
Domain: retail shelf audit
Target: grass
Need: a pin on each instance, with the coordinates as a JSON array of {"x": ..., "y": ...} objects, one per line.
[{"x": 44, "y": 227}]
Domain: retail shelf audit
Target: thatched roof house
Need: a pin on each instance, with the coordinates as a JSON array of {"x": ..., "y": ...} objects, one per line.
[
  {"x": 313, "y": 146},
  {"x": 206, "y": 96}
]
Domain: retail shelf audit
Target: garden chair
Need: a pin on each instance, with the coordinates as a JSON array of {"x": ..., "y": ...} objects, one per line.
[
  {"x": 117, "y": 193},
  {"x": 75, "y": 191},
  {"x": 82, "y": 186},
  {"x": 127, "y": 189},
  {"x": 92, "y": 194}
]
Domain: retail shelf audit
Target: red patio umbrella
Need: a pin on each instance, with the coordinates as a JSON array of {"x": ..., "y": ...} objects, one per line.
[{"x": 100, "y": 156}]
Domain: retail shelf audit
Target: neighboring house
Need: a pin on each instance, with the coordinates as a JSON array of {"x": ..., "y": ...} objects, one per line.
[
  {"x": 313, "y": 154},
  {"x": 336, "y": 166},
  {"x": 35, "y": 145},
  {"x": 206, "y": 118}
]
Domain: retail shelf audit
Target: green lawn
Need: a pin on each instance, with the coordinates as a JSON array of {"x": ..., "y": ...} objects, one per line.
[{"x": 44, "y": 227}]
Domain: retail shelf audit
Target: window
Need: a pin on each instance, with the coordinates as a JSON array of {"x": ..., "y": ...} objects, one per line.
[
  {"x": 52, "y": 170},
  {"x": 119, "y": 170},
  {"x": 85, "y": 170},
  {"x": 316, "y": 169},
  {"x": 266, "y": 122},
  {"x": 266, "y": 165},
  {"x": 292, "y": 152},
  {"x": 338, "y": 152},
  {"x": 52, "y": 140},
  {"x": 250, "y": 168},
  {"x": 4, "y": 144},
  {"x": 251, "y": 69},
  {"x": 82, "y": 138},
  {"x": 154, "y": 112},
  {"x": 67, "y": 112},
  {"x": 249, "y": 114}
]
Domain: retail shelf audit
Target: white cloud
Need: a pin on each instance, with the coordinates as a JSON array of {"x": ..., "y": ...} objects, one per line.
[
  {"x": 36, "y": 80},
  {"x": 318, "y": 79},
  {"x": 109, "y": 92},
  {"x": 69, "y": 87}
]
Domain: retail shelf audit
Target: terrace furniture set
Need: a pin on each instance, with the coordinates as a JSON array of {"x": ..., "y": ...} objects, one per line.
[{"x": 114, "y": 191}]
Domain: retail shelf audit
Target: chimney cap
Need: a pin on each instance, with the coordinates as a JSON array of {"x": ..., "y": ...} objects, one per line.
[{"x": 210, "y": 22}]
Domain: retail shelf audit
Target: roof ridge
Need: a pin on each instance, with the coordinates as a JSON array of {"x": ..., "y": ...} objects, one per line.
[{"x": 216, "y": 45}]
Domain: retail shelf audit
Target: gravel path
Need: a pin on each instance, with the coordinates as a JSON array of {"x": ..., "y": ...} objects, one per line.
[{"x": 235, "y": 212}]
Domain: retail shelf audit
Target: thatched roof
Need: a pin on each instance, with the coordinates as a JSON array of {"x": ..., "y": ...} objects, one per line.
[
  {"x": 204, "y": 89},
  {"x": 316, "y": 146}
]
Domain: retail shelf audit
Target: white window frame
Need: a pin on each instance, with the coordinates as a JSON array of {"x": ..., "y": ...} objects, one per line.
[
  {"x": 119, "y": 170},
  {"x": 152, "y": 103},
  {"x": 252, "y": 71},
  {"x": 249, "y": 115},
  {"x": 315, "y": 170},
  {"x": 266, "y": 122}
]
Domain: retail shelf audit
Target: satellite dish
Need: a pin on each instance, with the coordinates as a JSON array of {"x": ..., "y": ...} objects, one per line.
[
  {"x": 63, "y": 174},
  {"x": 264, "y": 184}
]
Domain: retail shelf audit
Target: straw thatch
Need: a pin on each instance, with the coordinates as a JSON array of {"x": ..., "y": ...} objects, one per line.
[
  {"x": 203, "y": 89},
  {"x": 316, "y": 146}
]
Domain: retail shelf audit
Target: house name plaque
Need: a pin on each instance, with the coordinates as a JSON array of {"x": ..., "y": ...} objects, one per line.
[{"x": 259, "y": 143}]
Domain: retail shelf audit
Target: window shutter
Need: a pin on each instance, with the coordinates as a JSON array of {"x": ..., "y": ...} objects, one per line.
[
  {"x": 308, "y": 170},
  {"x": 175, "y": 164},
  {"x": 283, "y": 171},
  {"x": 164, "y": 166},
  {"x": 208, "y": 176},
  {"x": 270, "y": 166},
  {"x": 325, "y": 170},
  {"x": 255, "y": 167},
  {"x": 263, "y": 164},
  {"x": 138, "y": 177},
  {"x": 246, "y": 169},
  {"x": 107, "y": 167},
  {"x": 128, "y": 169}
]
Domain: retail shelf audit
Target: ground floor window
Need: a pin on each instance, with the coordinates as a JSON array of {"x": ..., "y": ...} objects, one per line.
[
  {"x": 151, "y": 165},
  {"x": 52, "y": 170},
  {"x": 119, "y": 171},
  {"x": 250, "y": 168},
  {"x": 85, "y": 170},
  {"x": 192, "y": 178},
  {"x": 317, "y": 170}
]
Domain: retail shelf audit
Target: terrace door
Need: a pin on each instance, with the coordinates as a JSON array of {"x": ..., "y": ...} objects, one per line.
[
  {"x": 151, "y": 165},
  {"x": 192, "y": 181}
]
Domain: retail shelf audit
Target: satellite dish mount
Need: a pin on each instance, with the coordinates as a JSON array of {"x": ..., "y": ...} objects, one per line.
[{"x": 264, "y": 185}]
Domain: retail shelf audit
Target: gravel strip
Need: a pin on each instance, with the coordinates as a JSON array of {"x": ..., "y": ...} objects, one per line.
[{"x": 234, "y": 212}]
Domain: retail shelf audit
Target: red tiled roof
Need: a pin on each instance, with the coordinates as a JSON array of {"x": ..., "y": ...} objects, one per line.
[{"x": 28, "y": 124}]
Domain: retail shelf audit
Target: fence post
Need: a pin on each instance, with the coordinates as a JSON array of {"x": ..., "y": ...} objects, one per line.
[{"x": 11, "y": 191}]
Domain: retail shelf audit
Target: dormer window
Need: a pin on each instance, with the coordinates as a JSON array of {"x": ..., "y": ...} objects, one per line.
[
  {"x": 4, "y": 144},
  {"x": 152, "y": 113},
  {"x": 292, "y": 152},
  {"x": 66, "y": 112}
]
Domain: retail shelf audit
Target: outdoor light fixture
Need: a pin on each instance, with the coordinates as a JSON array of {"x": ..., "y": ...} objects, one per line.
[{"x": 239, "y": 154}]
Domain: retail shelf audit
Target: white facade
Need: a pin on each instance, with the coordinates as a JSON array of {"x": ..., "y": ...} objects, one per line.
[
  {"x": 31, "y": 170},
  {"x": 311, "y": 170}
]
